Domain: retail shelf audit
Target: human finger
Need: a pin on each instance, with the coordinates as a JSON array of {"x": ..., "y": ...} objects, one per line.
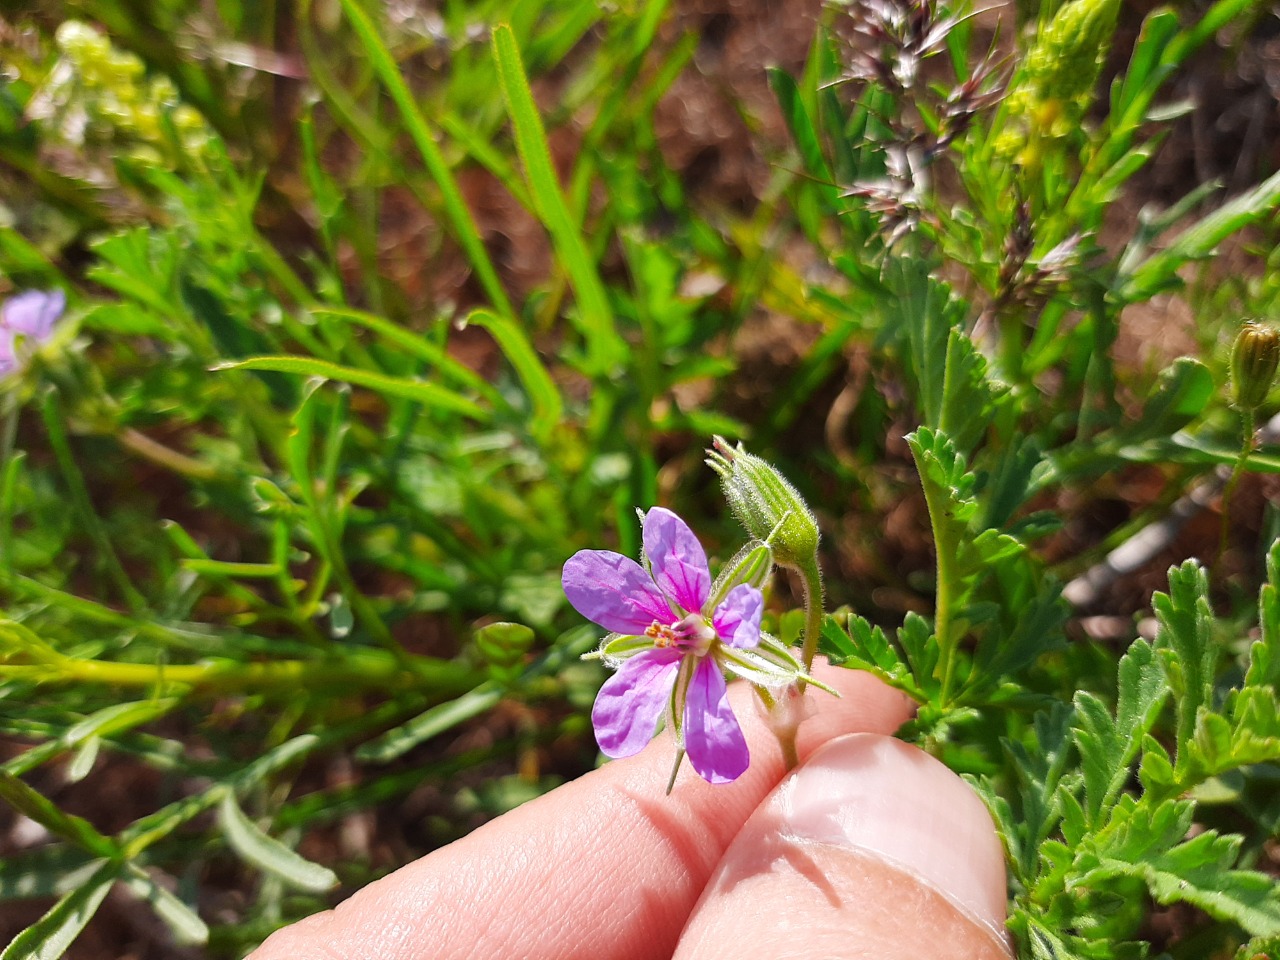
[
  {"x": 605, "y": 867},
  {"x": 871, "y": 849}
]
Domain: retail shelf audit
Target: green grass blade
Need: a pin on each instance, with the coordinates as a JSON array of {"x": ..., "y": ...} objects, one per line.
[
  {"x": 464, "y": 226},
  {"x": 269, "y": 854},
  {"x": 1200, "y": 240},
  {"x": 428, "y": 394},
  {"x": 604, "y": 347},
  {"x": 55, "y": 428},
  {"x": 50, "y": 936},
  {"x": 543, "y": 394},
  {"x": 416, "y": 345}
]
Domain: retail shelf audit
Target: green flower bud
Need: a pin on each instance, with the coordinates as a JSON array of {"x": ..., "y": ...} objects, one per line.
[
  {"x": 767, "y": 505},
  {"x": 1254, "y": 358},
  {"x": 503, "y": 647},
  {"x": 751, "y": 565}
]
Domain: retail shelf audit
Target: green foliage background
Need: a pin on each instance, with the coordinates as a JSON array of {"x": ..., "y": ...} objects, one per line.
[{"x": 378, "y": 315}]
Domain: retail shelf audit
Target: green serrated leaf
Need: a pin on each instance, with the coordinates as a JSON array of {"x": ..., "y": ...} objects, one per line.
[
  {"x": 1142, "y": 690},
  {"x": 921, "y": 647},
  {"x": 970, "y": 397},
  {"x": 1156, "y": 768},
  {"x": 268, "y": 854},
  {"x": 922, "y": 310},
  {"x": 1101, "y": 748},
  {"x": 1186, "y": 645},
  {"x": 1197, "y": 872},
  {"x": 1264, "y": 654}
]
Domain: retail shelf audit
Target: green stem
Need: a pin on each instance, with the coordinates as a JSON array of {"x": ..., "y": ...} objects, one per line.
[
  {"x": 943, "y": 600},
  {"x": 811, "y": 577},
  {"x": 1247, "y": 440},
  {"x": 82, "y": 505},
  {"x": 369, "y": 669}
]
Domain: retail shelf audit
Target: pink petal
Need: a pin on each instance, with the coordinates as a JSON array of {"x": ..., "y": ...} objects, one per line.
[
  {"x": 677, "y": 558},
  {"x": 737, "y": 619},
  {"x": 613, "y": 591},
  {"x": 632, "y": 700},
  {"x": 33, "y": 313},
  {"x": 712, "y": 737},
  {"x": 7, "y": 359}
]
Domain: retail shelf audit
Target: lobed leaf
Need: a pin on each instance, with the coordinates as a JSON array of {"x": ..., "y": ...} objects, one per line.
[{"x": 1186, "y": 644}]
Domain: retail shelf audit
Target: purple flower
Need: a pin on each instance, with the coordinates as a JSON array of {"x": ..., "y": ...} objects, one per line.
[
  {"x": 30, "y": 316},
  {"x": 672, "y": 637}
]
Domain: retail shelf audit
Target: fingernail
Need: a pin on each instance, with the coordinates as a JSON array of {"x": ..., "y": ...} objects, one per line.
[{"x": 880, "y": 797}]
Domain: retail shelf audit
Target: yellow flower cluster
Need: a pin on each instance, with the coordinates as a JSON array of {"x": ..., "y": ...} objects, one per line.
[
  {"x": 98, "y": 95},
  {"x": 1054, "y": 89}
]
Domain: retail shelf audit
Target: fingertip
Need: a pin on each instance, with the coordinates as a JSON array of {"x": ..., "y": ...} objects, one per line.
[
  {"x": 605, "y": 867},
  {"x": 869, "y": 846},
  {"x": 864, "y": 704}
]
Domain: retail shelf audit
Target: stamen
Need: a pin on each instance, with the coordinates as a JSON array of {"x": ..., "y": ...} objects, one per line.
[{"x": 663, "y": 636}]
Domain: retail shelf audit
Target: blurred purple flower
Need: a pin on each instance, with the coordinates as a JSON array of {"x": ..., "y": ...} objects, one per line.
[
  {"x": 670, "y": 641},
  {"x": 30, "y": 316}
]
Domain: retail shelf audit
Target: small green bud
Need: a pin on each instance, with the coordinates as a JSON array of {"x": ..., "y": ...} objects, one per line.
[
  {"x": 1254, "y": 358},
  {"x": 767, "y": 505},
  {"x": 503, "y": 647},
  {"x": 751, "y": 565}
]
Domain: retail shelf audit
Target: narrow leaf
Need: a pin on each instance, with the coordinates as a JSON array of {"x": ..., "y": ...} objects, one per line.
[
  {"x": 423, "y": 137},
  {"x": 50, "y": 936},
  {"x": 515, "y": 346},
  {"x": 429, "y": 394},
  {"x": 437, "y": 720},
  {"x": 43, "y": 811},
  {"x": 269, "y": 854},
  {"x": 604, "y": 347},
  {"x": 187, "y": 927}
]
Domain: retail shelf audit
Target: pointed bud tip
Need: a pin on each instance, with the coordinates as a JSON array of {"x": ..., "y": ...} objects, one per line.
[{"x": 769, "y": 507}]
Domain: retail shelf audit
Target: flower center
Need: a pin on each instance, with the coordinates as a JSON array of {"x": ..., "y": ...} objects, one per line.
[{"x": 693, "y": 634}]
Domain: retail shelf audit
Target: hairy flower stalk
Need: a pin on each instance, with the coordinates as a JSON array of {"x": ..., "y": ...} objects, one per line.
[
  {"x": 673, "y": 636},
  {"x": 770, "y": 508}
]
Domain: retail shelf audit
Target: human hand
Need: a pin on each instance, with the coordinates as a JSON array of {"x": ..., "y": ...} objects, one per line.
[{"x": 870, "y": 848}]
